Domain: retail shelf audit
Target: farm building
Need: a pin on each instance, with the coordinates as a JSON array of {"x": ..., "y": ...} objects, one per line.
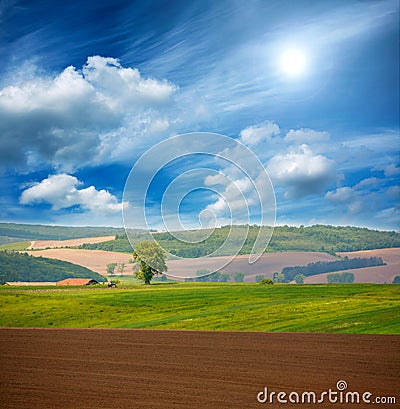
[{"x": 78, "y": 281}]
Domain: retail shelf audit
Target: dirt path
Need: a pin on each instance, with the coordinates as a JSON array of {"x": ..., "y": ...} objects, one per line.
[{"x": 43, "y": 368}]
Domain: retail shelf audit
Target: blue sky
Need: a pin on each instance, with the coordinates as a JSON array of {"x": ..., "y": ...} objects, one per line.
[{"x": 87, "y": 87}]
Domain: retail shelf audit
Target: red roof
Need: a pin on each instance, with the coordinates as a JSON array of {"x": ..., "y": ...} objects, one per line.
[{"x": 77, "y": 281}]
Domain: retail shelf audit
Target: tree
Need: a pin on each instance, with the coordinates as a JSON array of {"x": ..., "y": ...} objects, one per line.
[
  {"x": 111, "y": 268},
  {"x": 279, "y": 277},
  {"x": 299, "y": 279},
  {"x": 121, "y": 268},
  {"x": 333, "y": 278},
  {"x": 396, "y": 280},
  {"x": 238, "y": 277},
  {"x": 214, "y": 277},
  {"x": 259, "y": 277},
  {"x": 347, "y": 278},
  {"x": 224, "y": 277},
  {"x": 203, "y": 275},
  {"x": 151, "y": 260},
  {"x": 340, "y": 278}
]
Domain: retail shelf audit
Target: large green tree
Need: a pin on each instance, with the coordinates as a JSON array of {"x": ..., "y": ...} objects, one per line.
[{"x": 151, "y": 259}]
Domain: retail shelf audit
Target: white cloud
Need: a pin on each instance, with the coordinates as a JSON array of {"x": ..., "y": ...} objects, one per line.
[
  {"x": 67, "y": 120},
  {"x": 368, "y": 196},
  {"x": 235, "y": 197},
  {"x": 340, "y": 195},
  {"x": 369, "y": 182},
  {"x": 124, "y": 85},
  {"x": 301, "y": 172},
  {"x": 62, "y": 192},
  {"x": 390, "y": 215},
  {"x": 388, "y": 170},
  {"x": 306, "y": 135},
  {"x": 258, "y": 133}
]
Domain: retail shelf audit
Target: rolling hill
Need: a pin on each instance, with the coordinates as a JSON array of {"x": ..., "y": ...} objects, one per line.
[
  {"x": 320, "y": 238},
  {"x": 23, "y": 267}
]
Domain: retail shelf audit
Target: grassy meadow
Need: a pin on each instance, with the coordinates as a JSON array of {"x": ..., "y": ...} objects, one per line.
[
  {"x": 17, "y": 246},
  {"x": 356, "y": 308}
]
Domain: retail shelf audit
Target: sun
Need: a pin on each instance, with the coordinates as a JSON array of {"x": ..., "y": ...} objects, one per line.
[{"x": 293, "y": 62}]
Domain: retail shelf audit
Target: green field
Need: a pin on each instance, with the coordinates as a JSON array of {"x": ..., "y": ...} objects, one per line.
[
  {"x": 16, "y": 246},
  {"x": 351, "y": 308}
]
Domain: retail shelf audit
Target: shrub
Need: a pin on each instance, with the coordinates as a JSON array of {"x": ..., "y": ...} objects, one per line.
[
  {"x": 266, "y": 281},
  {"x": 299, "y": 279},
  {"x": 239, "y": 277}
]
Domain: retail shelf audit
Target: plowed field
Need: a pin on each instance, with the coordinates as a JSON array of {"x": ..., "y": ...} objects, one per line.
[
  {"x": 95, "y": 260},
  {"x": 94, "y": 369}
]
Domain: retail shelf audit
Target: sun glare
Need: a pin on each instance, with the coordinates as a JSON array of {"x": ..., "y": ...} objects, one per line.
[{"x": 293, "y": 62}]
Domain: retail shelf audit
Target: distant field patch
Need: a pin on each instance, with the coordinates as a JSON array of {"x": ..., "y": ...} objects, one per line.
[
  {"x": 17, "y": 246},
  {"x": 52, "y": 244},
  {"x": 95, "y": 260},
  {"x": 376, "y": 274}
]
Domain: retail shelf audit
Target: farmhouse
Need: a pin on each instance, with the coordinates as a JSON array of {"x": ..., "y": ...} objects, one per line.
[{"x": 78, "y": 281}]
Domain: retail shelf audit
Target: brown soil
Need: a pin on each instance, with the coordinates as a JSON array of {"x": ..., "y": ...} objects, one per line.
[
  {"x": 377, "y": 274},
  {"x": 42, "y": 368},
  {"x": 53, "y": 244},
  {"x": 95, "y": 260}
]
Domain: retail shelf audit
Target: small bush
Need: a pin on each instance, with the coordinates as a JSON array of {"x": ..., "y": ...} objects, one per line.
[{"x": 266, "y": 281}]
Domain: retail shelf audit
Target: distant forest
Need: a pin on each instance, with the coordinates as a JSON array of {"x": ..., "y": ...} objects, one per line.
[
  {"x": 14, "y": 232},
  {"x": 323, "y": 238},
  {"x": 22, "y": 267},
  {"x": 44, "y": 232}
]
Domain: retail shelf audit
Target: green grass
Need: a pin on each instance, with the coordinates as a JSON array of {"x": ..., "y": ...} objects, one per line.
[
  {"x": 17, "y": 246},
  {"x": 349, "y": 308}
]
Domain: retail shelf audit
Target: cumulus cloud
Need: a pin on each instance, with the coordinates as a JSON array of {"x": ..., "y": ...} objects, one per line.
[
  {"x": 388, "y": 170},
  {"x": 62, "y": 192},
  {"x": 258, "y": 133},
  {"x": 306, "y": 135},
  {"x": 235, "y": 197},
  {"x": 124, "y": 85},
  {"x": 340, "y": 195},
  {"x": 302, "y": 172},
  {"x": 67, "y": 120},
  {"x": 367, "y": 196}
]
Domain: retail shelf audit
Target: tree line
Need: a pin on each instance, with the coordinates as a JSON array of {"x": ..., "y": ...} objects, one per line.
[
  {"x": 206, "y": 276},
  {"x": 330, "y": 239}
]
